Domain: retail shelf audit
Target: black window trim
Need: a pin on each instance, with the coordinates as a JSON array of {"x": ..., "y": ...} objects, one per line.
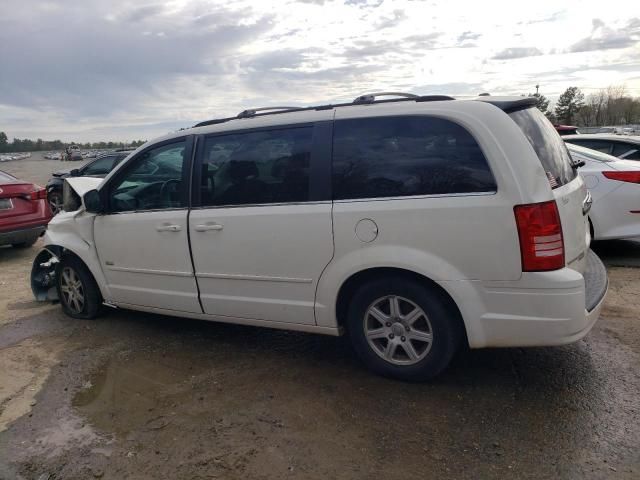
[
  {"x": 319, "y": 165},
  {"x": 105, "y": 189},
  {"x": 426, "y": 195}
]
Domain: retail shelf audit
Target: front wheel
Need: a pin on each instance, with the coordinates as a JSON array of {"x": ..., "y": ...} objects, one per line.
[
  {"x": 402, "y": 329},
  {"x": 77, "y": 290},
  {"x": 55, "y": 202}
]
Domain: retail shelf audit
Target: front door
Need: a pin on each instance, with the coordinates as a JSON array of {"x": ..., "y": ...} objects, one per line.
[
  {"x": 142, "y": 241},
  {"x": 262, "y": 234}
]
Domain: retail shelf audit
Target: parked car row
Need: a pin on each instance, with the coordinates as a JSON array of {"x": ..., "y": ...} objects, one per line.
[
  {"x": 81, "y": 154},
  {"x": 413, "y": 224},
  {"x": 7, "y": 157}
]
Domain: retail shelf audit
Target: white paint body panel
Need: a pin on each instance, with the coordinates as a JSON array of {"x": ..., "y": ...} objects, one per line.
[
  {"x": 144, "y": 266},
  {"x": 265, "y": 262}
]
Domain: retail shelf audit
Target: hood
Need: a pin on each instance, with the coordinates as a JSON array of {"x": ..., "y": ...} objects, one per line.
[
  {"x": 61, "y": 173},
  {"x": 82, "y": 185}
]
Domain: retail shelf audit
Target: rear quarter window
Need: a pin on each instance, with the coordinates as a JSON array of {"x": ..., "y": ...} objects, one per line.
[
  {"x": 405, "y": 156},
  {"x": 548, "y": 145}
]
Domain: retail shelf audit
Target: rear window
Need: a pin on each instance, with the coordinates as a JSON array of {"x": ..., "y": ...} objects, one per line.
[
  {"x": 404, "y": 156},
  {"x": 548, "y": 145}
]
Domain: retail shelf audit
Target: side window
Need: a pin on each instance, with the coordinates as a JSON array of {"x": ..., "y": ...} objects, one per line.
[
  {"x": 626, "y": 150},
  {"x": 101, "y": 166},
  {"x": 152, "y": 181},
  {"x": 256, "y": 167},
  {"x": 402, "y": 156}
]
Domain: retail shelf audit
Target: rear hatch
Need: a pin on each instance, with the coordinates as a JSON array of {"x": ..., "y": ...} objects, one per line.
[{"x": 567, "y": 186}]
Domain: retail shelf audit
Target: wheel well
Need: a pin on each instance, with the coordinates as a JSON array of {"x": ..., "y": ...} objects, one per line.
[
  {"x": 61, "y": 252},
  {"x": 349, "y": 287}
]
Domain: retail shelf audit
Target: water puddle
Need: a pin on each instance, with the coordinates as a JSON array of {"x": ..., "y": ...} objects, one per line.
[{"x": 128, "y": 394}]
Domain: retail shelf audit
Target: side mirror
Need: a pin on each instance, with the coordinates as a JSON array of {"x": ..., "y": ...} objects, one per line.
[
  {"x": 92, "y": 202},
  {"x": 74, "y": 173}
]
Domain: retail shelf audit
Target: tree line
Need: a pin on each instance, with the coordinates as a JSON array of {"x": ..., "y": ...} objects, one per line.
[
  {"x": 26, "y": 145},
  {"x": 607, "y": 106}
]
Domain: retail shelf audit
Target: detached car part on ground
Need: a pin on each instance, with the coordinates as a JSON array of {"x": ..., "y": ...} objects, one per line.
[
  {"x": 615, "y": 189},
  {"x": 414, "y": 224},
  {"x": 24, "y": 212}
]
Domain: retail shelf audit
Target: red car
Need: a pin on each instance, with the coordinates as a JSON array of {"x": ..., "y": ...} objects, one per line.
[{"x": 24, "y": 211}]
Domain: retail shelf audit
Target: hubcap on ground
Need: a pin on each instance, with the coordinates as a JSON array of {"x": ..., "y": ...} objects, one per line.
[
  {"x": 72, "y": 290},
  {"x": 398, "y": 330}
]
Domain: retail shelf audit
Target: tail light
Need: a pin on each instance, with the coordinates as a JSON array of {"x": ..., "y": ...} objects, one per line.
[
  {"x": 38, "y": 194},
  {"x": 540, "y": 233},
  {"x": 631, "y": 177}
]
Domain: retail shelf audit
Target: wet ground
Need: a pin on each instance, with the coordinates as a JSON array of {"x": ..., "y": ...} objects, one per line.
[{"x": 139, "y": 396}]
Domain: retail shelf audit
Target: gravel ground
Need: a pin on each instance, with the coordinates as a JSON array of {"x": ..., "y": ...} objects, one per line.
[{"x": 134, "y": 395}]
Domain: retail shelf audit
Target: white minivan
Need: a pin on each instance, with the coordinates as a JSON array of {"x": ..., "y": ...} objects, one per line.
[{"x": 414, "y": 224}]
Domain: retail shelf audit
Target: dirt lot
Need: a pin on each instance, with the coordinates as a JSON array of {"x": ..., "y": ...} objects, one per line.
[{"x": 132, "y": 395}]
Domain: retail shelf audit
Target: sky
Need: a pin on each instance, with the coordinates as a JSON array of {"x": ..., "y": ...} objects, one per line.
[{"x": 122, "y": 70}]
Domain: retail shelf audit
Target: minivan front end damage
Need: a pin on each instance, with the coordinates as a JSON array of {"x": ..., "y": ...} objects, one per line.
[{"x": 68, "y": 233}]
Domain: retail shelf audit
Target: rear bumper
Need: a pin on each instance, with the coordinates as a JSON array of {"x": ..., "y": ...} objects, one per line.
[
  {"x": 540, "y": 309},
  {"x": 22, "y": 235}
]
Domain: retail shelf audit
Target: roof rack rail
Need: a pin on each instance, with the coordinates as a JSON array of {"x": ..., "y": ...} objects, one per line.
[
  {"x": 361, "y": 100},
  {"x": 371, "y": 97},
  {"x": 252, "y": 111}
]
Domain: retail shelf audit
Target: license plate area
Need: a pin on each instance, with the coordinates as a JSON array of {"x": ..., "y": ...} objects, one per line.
[{"x": 5, "y": 204}]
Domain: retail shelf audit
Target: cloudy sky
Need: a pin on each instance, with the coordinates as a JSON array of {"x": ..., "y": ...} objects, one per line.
[{"x": 121, "y": 70}]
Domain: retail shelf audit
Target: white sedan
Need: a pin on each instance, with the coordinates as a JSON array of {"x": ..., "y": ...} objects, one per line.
[{"x": 615, "y": 189}]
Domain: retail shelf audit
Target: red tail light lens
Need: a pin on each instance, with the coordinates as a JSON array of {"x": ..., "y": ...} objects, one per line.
[
  {"x": 631, "y": 177},
  {"x": 540, "y": 233},
  {"x": 38, "y": 194}
]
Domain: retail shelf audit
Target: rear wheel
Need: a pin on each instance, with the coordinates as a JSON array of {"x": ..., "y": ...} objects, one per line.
[
  {"x": 401, "y": 329},
  {"x": 77, "y": 290}
]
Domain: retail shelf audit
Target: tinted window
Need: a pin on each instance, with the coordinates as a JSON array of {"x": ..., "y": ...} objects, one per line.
[
  {"x": 626, "y": 150},
  {"x": 101, "y": 166},
  {"x": 256, "y": 167},
  {"x": 401, "y": 156},
  {"x": 548, "y": 145},
  {"x": 152, "y": 181},
  {"x": 599, "y": 145}
]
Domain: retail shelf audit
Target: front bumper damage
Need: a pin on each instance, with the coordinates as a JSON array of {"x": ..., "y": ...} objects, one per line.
[{"x": 43, "y": 276}]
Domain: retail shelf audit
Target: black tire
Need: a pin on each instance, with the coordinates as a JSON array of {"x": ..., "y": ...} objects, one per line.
[
  {"x": 55, "y": 197},
  {"x": 92, "y": 299},
  {"x": 446, "y": 327},
  {"x": 26, "y": 244}
]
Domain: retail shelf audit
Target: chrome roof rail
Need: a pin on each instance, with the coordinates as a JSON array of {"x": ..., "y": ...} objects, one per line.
[
  {"x": 251, "y": 112},
  {"x": 371, "y": 97}
]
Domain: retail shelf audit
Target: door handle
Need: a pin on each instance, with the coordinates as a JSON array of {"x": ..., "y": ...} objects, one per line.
[
  {"x": 205, "y": 227},
  {"x": 168, "y": 228}
]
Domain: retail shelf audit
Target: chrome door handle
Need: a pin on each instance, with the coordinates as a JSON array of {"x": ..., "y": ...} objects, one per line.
[
  {"x": 205, "y": 227},
  {"x": 168, "y": 228}
]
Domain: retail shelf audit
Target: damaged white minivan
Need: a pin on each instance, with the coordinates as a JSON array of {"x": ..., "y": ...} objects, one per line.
[{"x": 415, "y": 224}]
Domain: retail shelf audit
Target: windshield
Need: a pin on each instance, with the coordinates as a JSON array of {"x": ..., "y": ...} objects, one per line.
[{"x": 548, "y": 145}]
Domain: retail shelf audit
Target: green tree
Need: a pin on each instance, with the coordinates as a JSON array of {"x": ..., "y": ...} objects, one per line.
[
  {"x": 4, "y": 142},
  {"x": 569, "y": 104}
]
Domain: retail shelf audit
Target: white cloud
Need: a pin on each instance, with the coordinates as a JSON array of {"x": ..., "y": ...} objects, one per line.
[{"x": 139, "y": 69}]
